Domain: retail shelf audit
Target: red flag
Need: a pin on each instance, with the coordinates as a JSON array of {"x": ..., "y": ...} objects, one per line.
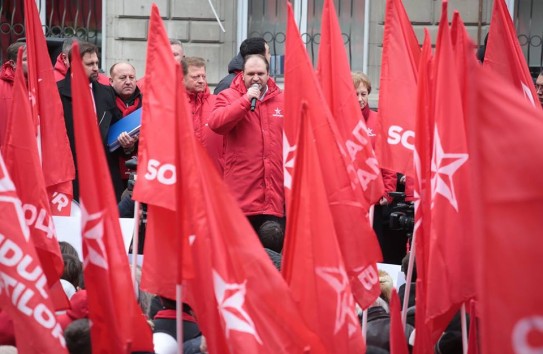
[
  {"x": 242, "y": 303},
  {"x": 156, "y": 162},
  {"x": 473, "y": 337},
  {"x": 312, "y": 263},
  {"x": 56, "y": 156},
  {"x": 23, "y": 293},
  {"x": 22, "y": 160},
  {"x": 422, "y": 157},
  {"x": 118, "y": 325},
  {"x": 398, "y": 342},
  {"x": 504, "y": 56},
  {"x": 337, "y": 87},
  {"x": 508, "y": 161},
  {"x": 357, "y": 241},
  {"x": 450, "y": 270},
  {"x": 401, "y": 54}
]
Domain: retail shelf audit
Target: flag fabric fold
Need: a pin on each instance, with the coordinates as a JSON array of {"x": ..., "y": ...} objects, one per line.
[
  {"x": 396, "y": 116},
  {"x": 510, "y": 205},
  {"x": 334, "y": 75},
  {"x": 356, "y": 238},
  {"x": 24, "y": 296},
  {"x": 504, "y": 56},
  {"x": 23, "y": 163},
  {"x": 398, "y": 342},
  {"x": 450, "y": 272},
  {"x": 56, "y": 156},
  {"x": 118, "y": 325},
  {"x": 312, "y": 263},
  {"x": 242, "y": 303},
  {"x": 157, "y": 170}
]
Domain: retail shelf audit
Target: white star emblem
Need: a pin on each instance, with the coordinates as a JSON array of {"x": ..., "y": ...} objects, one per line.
[
  {"x": 444, "y": 166},
  {"x": 278, "y": 113},
  {"x": 288, "y": 164},
  {"x": 345, "y": 308},
  {"x": 230, "y": 299},
  {"x": 527, "y": 93},
  {"x": 370, "y": 132},
  {"x": 92, "y": 229}
]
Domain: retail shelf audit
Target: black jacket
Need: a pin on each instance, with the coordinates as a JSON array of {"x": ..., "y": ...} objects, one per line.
[
  {"x": 234, "y": 67},
  {"x": 104, "y": 100}
]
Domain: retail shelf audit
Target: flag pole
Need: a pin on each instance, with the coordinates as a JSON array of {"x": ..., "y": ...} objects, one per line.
[
  {"x": 408, "y": 280},
  {"x": 464, "y": 329},
  {"x": 364, "y": 323},
  {"x": 135, "y": 242},
  {"x": 179, "y": 317}
]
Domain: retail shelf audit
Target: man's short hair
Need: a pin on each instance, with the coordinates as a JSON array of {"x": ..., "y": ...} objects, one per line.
[
  {"x": 256, "y": 56},
  {"x": 84, "y": 48},
  {"x": 114, "y": 65},
  {"x": 192, "y": 61},
  {"x": 77, "y": 336},
  {"x": 67, "y": 45},
  {"x": 254, "y": 45},
  {"x": 176, "y": 42},
  {"x": 271, "y": 235},
  {"x": 13, "y": 49},
  {"x": 361, "y": 78}
]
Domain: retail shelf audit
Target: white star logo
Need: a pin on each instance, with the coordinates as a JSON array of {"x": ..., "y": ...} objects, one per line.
[
  {"x": 527, "y": 93},
  {"x": 288, "y": 151},
  {"x": 370, "y": 132},
  {"x": 278, "y": 113},
  {"x": 230, "y": 299},
  {"x": 92, "y": 229},
  {"x": 345, "y": 307},
  {"x": 444, "y": 166}
]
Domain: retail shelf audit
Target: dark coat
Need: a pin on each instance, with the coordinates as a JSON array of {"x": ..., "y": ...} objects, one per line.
[
  {"x": 234, "y": 67},
  {"x": 104, "y": 100}
]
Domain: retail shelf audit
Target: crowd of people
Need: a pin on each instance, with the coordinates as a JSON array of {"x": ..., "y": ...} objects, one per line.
[{"x": 240, "y": 126}]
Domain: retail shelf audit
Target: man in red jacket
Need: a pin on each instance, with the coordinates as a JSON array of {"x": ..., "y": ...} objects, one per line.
[
  {"x": 539, "y": 87},
  {"x": 250, "y": 116},
  {"x": 201, "y": 103}
]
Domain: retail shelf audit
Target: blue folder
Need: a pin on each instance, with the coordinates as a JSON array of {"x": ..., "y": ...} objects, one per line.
[{"x": 130, "y": 124}]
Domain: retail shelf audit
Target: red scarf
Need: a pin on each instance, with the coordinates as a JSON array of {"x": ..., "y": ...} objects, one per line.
[
  {"x": 125, "y": 108},
  {"x": 366, "y": 112}
]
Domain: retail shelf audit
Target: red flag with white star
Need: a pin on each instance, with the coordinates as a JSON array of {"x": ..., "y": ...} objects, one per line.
[
  {"x": 312, "y": 263},
  {"x": 508, "y": 161},
  {"x": 242, "y": 303},
  {"x": 401, "y": 53},
  {"x": 56, "y": 156},
  {"x": 356, "y": 238},
  {"x": 334, "y": 75},
  {"x": 24, "y": 296},
  {"x": 118, "y": 324},
  {"x": 504, "y": 56},
  {"x": 22, "y": 160},
  {"x": 450, "y": 273}
]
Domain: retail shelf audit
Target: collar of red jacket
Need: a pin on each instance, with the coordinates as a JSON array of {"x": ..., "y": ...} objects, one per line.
[
  {"x": 7, "y": 73},
  {"x": 239, "y": 85},
  {"x": 60, "y": 66},
  {"x": 198, "y": 96}
]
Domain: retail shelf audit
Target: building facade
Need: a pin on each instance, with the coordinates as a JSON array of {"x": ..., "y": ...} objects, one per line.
[{"x": 120, "y": 27}]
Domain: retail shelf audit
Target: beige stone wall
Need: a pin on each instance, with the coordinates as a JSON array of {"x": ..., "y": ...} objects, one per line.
[{"x": 191, "y": 21}]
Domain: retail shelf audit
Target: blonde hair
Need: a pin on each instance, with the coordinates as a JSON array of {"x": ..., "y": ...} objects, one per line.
[
  {"x": 361, "y": 78},
  {"x": 386, "y": 284}
]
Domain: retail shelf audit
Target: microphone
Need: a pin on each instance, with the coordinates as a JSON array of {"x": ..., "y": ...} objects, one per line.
[{"x": 253, "y": 100}]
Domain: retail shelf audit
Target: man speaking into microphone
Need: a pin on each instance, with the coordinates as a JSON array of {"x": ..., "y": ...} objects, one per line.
[{"x": 250, "y": 116}]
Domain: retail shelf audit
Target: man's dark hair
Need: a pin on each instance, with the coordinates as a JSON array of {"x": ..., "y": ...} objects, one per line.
[
  {"x": 73, "y": 269},
  {"x": 13, "y": 49},
  {"x": 257, "y": 56},
  {"x": 84, "y": 48},
  {"x": 67, "y": 45},
  {"x": 254, "y": 45},
  {"x": 77, "y": 336},
  {"x": 192, "y": 61},
  {"x": 271, "y": 235},
  {"x": 405, "y": 265}
]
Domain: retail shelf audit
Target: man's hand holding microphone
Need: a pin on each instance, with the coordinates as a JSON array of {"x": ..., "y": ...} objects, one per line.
[{"x": 253, "y": 93}]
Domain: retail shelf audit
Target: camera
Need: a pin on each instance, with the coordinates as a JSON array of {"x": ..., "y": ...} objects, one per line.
[{"x": 402, "y": 213}]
